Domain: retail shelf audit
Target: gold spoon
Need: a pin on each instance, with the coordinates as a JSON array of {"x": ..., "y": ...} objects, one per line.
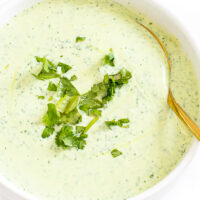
[{"x": 181, "y": 114}]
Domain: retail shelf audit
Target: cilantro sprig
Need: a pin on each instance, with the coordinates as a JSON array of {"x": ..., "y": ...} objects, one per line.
[
  {"x": 48, "y": 71},
  {"x": 52, "y": 86},
  {"x": 103, "y": 92}
]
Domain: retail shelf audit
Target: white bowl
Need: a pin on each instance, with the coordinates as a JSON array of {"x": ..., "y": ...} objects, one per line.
[{"x": 157, "y": 14}]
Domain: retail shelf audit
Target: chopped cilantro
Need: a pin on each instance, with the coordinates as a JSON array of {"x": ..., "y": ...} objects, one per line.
[
  {"x": 48, "y": 70},
  {"x": 73, "y": 117},
  {"x": 80, "y": 141},
  {"x": 50, "y": 98},
  {"x": 72, "y": 104},
  {"x": 89, "y": 104},
  {"x": 47, "y": 132},
  {"x": 67, "y": 138},
  {"x": 66, "y": 113},
  {"x": 64, "y": 67},
  {"x": 73, "y": 78},
  {"x": 104, "y": 91},
  {"x": 80, "y": 129},
  {"x": 122, "y": 77},
  {"x": 66, "y": 104},
  {"x": 41, "y": 97},
  {"x": 96, "y": 112},
  {"x": 109, "y": 59},
  {"x": 66, "y": 87},
  {"x": 52, "y": 86},
  {"x": 52, "y": 116},
  {"x": 110, "y": 83},
  {"x": 62, "y": 103},
  {"x": 96, "y": 118},
  {"x": 115, "y": 153},
  {"x": 119, "y": 123},
  {"x": 80, "y": 39}
]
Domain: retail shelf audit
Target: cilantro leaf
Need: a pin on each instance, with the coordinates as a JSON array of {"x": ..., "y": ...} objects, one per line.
[
  {"x": 67, "y": 138},
  {"x": 48, "y": 70},
  {"x": 122, "y": 77},
  {"x": 73, "y": 118},
  {"x": 80, "y": 39},
  {"x": 41, "y": 97},
  {"x": 64, "y": 67},
  {"x": 52, "y": 86},
  {"x": 43, "y": 76},
  {"x": 66, "y": 87},
  {"x": 80, "y": 142},
  {"x": 110, "y": 83},
  {"x": 95, "y": 112},
  {"x": 115, "y": 153},
  {"x": 66, "y": 104},
  {"x": 80, "y": 130},
  {"x": 52, "y": 116},
  {"x": 50, "y": 98},
  {"x": 47, "y": 132},
  {"x": 90, "y": 104},
  {"x": 73, "y": 103},
  {"x": 119, "y": 123},
  {"x": 109, "y": 59},
  {"x": 62, "y": 103},
  {"x": 73, "y": 78}
]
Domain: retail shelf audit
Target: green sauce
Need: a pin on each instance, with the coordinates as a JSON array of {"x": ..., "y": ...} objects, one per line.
[{"x": 155, "y": 141}]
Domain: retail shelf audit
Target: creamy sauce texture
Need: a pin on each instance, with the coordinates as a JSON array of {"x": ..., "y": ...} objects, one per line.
[{"x": 156, "y": 140}]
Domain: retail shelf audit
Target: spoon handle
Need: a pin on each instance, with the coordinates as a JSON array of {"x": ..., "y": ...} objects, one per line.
[{"x": 182, "y": 115}]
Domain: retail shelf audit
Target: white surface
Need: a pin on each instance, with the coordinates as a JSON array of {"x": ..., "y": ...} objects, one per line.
[{"x": 187, "y": 186}]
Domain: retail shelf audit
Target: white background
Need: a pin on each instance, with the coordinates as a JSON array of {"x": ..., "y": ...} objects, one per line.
[{"x": 187, "y": 186}]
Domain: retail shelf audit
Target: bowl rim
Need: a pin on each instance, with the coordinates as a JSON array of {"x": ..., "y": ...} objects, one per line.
[{"x": 13, "y": 192}]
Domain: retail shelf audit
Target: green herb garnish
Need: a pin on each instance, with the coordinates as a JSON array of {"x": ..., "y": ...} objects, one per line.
[
  {"x": 52, "y": 117},
  {"x": 115, "y": 153},
  {"x": 95, "y": 112},
  {"x": 52, "y": 86},
  {"x": 109, "y": 59},
  {"x": 67, "y": 138},
  {"x": 48, "y": 70},
  {"x": 41, "y": 97},
  {"x": 64, "y": 67},
  {"x": 66, "y": 87},
  {"x": 72, "y": 118},
  {"x": 80, "y": 39},
  {"x": 50, "y": 98},
  {"x": 119, "y": 123},
  {"x": 73, "y": 78},
  {"x": 103, "y": 92},
  {"x": 66, "y": 113},
  {"x": 47, "y": 132},
  {"x": 91, "y": 124}
]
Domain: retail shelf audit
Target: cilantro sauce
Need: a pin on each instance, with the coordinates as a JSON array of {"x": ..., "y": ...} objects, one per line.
[{"x": 144, "y": 153}]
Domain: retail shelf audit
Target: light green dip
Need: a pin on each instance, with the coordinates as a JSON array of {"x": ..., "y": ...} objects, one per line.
[{"x": 156, "y": 140}]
